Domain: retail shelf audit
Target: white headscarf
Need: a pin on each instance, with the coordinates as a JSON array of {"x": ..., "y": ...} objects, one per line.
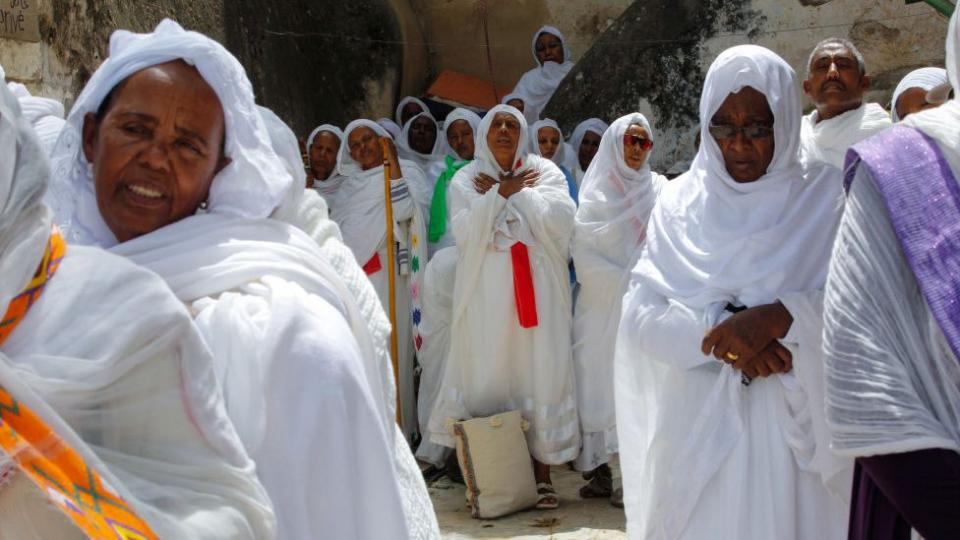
[
  {"x": 711, "y": 239},
  {"x": 45, "y": 114},
  {"x": 539, "y": 84},
  {"x": 926, "y": 78},
  {"x": 459, "y": 113},
  {"x": 614, "y": 194},
  {"x": 251, "y": 186},
  {"x": 595, "y": 125},
  {"x": 529, "y": 111},
  {"x": 403, "y": 103},
  {"x": 407, "y": 152},
  {"x": 329, "y": 187},
  {"x": 486, "y": 163},
  {"x": 560, "y": 157},
  {"x": 392, "y": 127},
  {"x": 24, "y": 220}
]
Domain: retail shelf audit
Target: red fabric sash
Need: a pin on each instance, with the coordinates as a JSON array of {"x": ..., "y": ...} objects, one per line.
[
  {"x": 373, "y": 265},
  {"x": 523, "y": 292}
]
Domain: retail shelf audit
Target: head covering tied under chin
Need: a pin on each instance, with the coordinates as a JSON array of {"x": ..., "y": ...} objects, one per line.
[{"x": 251, "y": 186}]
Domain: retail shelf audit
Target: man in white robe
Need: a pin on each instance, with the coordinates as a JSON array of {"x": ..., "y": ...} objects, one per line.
[
  {"x": 285, "y": 332},
  {"x": 718, "y": 358},
  {"x": 106, "y": 356},
  {"x": 513, "y": 219},
  {"x": 836, "y": 81}
]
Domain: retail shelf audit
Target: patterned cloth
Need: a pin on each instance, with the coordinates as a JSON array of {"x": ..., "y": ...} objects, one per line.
[{"x": 56, "y": 248}]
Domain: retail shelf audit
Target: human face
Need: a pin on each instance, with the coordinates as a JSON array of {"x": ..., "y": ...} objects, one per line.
[
  {"x": 634, "y": 155},
  {"x": 549, "y": 48},
  {"x": 548, "y": 139},
  {"x": 503, "y": 138},
  {"x": 746, "y": 159},
  {"x": 835, "y": 83},
  {"x": 323, "y": 154},
  {"x": 588, "y": 148},
  {"x": 408, "y": 111},
  {"x": 460, "y": 138},
  {"x": 423, "y": 134},
  {"x": 156, "y": 150},
  {"x": 912, "y": 100},
  {"x": 516, "y": 104},
  {"x": 364, "y": 145}
]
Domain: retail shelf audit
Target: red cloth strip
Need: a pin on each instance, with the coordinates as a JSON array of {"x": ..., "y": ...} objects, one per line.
[
  {"x": 523, "y": 291},
  {"x": 373, "y": 265}
]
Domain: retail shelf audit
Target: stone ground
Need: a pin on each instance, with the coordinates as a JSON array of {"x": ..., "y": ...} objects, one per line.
[{"x": 587, "y": 519}]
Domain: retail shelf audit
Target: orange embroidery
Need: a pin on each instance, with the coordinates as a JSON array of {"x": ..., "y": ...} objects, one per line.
[{"x": 56, "y": 249}]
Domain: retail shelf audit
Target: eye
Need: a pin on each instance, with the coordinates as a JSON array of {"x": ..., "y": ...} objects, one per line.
[
  {"x": 135, "y": 128},
  {"x": 189, "y": 145}
]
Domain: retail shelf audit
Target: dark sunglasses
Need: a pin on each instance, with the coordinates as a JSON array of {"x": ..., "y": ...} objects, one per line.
[
  {"x": 631, "y": 140},
  {"x": 752, "y": 132}
]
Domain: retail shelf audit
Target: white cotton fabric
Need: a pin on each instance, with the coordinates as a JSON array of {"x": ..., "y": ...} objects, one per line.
[
  {"x": 99, "y": 377},
  {"x": 361, "y": 216},
  {"x": 403, "y": 103},
  {"x": 252, "y": 184},
  {"x": 45, "y": 114},
  {"x": 594, "y": 125},
  {"x": 926, "y": 78},
  {"x": 893, "y": 383},
  {"x": 610, "y": 228},
  {"x": 560, "y": 156},
  {"x": 538, "y": 85},
  {"x": 701, "y": 453},
  {"x": 529, "y": 111},
  {"x": 308, "y": 212},
  {"x": 392, "y": 127},
  {"x": 424, "y": 161},
  {"x": 827, "y": 141},
  {"x": 494, "y": 365},
  {"x": 331, "y": 186},
  {"x": 470, "y": 117}
]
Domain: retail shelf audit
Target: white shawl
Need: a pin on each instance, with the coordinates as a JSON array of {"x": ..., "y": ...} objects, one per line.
[
  {"x": 926, "y": 78},
  {"x": 403, "y": 103},
  {"x": 424, "y": 161},
  {"x": 45, "y": 114},
  {"x": 529, "y": 111},
  {"x": 327, "y": 188},
  {"x": 827, "y": 141},
  {"x": 538, "y": 85},
  {"x": 595, "y": 125}
]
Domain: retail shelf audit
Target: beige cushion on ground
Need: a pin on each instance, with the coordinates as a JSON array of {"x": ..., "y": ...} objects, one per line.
[
  {"x": 496, "y": 464},
  {"x": 27, "y": 514}
]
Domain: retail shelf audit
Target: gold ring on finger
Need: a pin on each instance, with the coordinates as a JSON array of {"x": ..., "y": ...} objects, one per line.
[{"x": 732, "y": 356}]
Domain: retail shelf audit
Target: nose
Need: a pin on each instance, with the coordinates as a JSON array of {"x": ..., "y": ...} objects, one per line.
[
  {"x": 833, "y": 72},
  {"x": 739, "y": 141},
  {"x": 155, "y": 157}
]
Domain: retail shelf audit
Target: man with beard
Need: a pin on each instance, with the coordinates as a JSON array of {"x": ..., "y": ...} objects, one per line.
[{"x": 836, "y": 81}]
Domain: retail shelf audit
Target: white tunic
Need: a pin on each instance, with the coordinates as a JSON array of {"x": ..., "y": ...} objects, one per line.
[{"x": 827, "y": 141}]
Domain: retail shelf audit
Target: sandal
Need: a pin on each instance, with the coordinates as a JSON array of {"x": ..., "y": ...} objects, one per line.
[
  {"x": 600, "y": 483},
  {"x": 547, "y": 497}
]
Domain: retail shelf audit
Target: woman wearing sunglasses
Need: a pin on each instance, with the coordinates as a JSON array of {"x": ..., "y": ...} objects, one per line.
[
  {"x": 718, "y": 366},
  {"x": 619, "y": 191}
]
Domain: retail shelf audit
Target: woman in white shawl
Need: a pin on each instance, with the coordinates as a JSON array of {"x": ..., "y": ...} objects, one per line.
[
  {"x": 910, "y": 95},
  {"x": 459, "y": 142},
  {"x": 392, "y": 128},
  {"x": 361, "y": 214},
  {"x": 407, "y": 109},
  {"x": 619, "y": 191},
  {"x": 585, "y": 141},
  {"x": 45, "y": 114},
  {"x": 718, "y": 359},
  {"x": 131, "y": 388},
  {"x": 552, "y": 55},
  {"x": 517, "y": 101},
  {"x": 278, "y": 319},
  {"x": 323, "y": 147},
  {"x": 546, "y": 141},
  {"x": 421, "y": 142},
  {"x": 511, "y": 304}
]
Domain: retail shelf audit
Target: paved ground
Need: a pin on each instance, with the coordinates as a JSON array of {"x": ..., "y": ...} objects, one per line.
[{"x": 589, "y": 519}]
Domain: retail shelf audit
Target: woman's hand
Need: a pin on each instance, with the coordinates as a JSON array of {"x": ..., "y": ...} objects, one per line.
[
  {"x": 745, "y": 334},
  {"x": 482, "y": 183},
  {"x": 773, "y": 359},
  {"x": 390, "y": 158},
  {"x": 510, "y": 184}
]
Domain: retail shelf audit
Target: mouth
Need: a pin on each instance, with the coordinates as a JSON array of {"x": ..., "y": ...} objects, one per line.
[
  {"x": 143, "y": 194},
  {"x": 834, "y": 86}
]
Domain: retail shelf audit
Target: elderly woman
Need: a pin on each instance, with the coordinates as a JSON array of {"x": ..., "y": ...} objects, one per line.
[
  {"x": 361, "y": 213},
  {"x": 910, "y": 96},
  {"x": 611, "y": 223},
  {"x": 408, "y": 108},
  {"x": 180, "y": 182},
  {"x": 585, "y": 141},
  {"x": 546, "y": 141},
  {"x": 552, "y": 56},
  {"x": 323, "y": 146},
  {"x": 420, "y": 142},
  {"x": 79, "y": 350},
  {"x": 511, "y": 303},
  {"x": 718, "y": 364}
]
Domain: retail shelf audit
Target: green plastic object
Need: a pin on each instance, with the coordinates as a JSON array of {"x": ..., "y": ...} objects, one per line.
[{"x": 945, "y": 7}]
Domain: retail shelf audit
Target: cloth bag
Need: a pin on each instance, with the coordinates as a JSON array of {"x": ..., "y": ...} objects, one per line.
[{"x": 496, "y": 464}]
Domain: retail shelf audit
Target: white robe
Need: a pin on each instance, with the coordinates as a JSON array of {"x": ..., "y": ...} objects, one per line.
[
  {"x": 610, "y": 227},
  {"x": 495, "y": 365},
  {"x": 538, "y": 85},
  {"x": 134, "y": 390},
  {"x": 827, "y": 141},
  {"x": 278, "y": 326}
]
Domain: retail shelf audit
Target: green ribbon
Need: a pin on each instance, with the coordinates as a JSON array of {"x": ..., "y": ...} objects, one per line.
[{"x": 438, "y": 205}]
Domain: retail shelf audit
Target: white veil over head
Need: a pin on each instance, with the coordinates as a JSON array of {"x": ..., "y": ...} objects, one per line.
[
  {"x": 468, "y": 116},
  {"x": 484, "y": 156}
]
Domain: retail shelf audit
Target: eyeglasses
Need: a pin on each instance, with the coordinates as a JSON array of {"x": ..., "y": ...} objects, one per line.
[
  {"x": 630, "y": 140},
  {"x": 752, "y": 132}
]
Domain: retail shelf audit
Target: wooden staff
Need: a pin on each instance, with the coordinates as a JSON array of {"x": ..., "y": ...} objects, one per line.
[{"x": 391, "y": 279}]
